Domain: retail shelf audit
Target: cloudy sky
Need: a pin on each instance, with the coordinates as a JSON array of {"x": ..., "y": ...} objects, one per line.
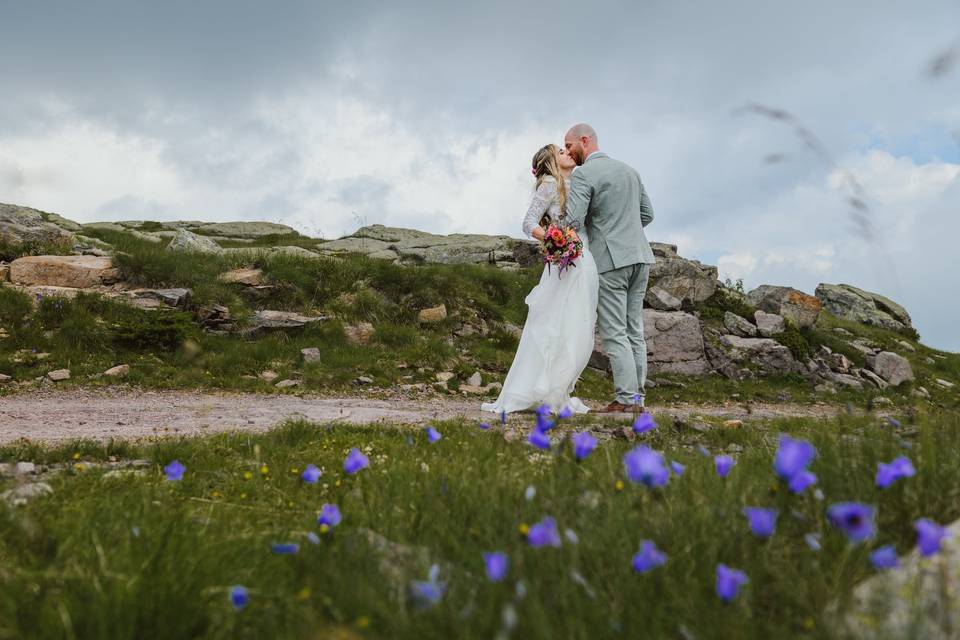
[{"x": 328, "y": 115}]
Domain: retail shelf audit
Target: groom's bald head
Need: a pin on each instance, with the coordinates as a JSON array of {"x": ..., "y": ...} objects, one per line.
[{"x": 580, "y": 142}]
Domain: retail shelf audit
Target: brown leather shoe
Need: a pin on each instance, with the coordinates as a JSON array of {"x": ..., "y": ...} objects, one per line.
[{"x": 616, "y": 407}]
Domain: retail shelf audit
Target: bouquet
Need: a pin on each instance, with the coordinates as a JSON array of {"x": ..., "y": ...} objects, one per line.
[{"x": 560, "y": 247}]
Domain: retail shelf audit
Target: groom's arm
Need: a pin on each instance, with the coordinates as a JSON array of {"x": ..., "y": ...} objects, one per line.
[
  {"x": 646, "y": 209},
  {"x": 578, "y": 200}
]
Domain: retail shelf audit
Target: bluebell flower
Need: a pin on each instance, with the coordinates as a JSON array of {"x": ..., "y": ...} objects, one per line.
[
  {"x": 724, "y": 464},
  {"x": 239, "y": 597},
  {"x": 929, "y": 536},
  {"x": 503, "y": 418},
  {"x": 648, "y": 558},
  {"x": 644, "y": 423},
  {"x": 285, "y": 548},
  {"x": 539, "y": 439},
  {"x": 432, "y": 434},
  {"x": 893, "y": 422},
  {"x": 702, "y": 450},
  {"x": 678, "y": 468},
  {"x": 729, "y": 582},
  {"x": 583, "y": 444},
  {"x": 544, "y": 534},
  {"x": 484, "y": 426},
  {"x": 565, "y": 413},
  {"x": 854, "y": 519},
  {"x": 355, "y": 461},
  {"x": 646, "y": 466},
  {"x": 792, "y": 457},
  {"x": 174, "y": 470},
  {"x": 428, "y": 593},
  {"x": 311, "y": 474},
  {"x": 800, "y": 482},
  {"x": 899, "y": 468},
  {"x": 762, "y": 521},
  {"x": 885, "y": 557},
  {"x": 329, "y": 515},
  {"x": 496, "y": 564}
]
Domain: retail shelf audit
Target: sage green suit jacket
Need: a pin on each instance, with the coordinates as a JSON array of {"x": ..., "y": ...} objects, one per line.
[{"x": 607, "y": 198}]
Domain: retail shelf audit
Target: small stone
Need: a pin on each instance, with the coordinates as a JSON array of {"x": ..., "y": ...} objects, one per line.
[
  {"x": 906, "y": 346},
  {"x": 25, "y": 468},
  {"x": 268, "y": 375},
  {"x": 286, "y": 384},
  {"x": 921, "y": 392},
  {"x": 842, "y": 332},
  {"x": 310, "y": 355},
  {"x": 493, "y": 386},
  {"x": 882, "y": 401},
  {"x": 873, "y": 378},
  {"x": 359, "y": 334},
  {"x": 475, "y": 380},
  {"x": 119, "y": 371},
  {"x": 662, "y": 300},
  {"x": 739, "y": 326},
  {"x": 432, "y": 314},
  {"x": 4, "y": 378},
  {"x": 472, "y": 389},
  {"x": 58, "y": 375},
  {"x": 929, "y": 360},
  {"x": 769, "y": 324},
  {"x": 946, "y": 384},
  {"x": 364, "y": 380},
  {"x": 733, "y": 424},
  {"x": 445, "y": 376},
  {"x": 20, "y": 495},
  {"x": 734, "y": 448},
  {"x": 249, "y": 277},
  {"x": 826, "y": 387}
]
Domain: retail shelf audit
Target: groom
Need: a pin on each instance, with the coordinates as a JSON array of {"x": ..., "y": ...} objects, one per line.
[{"x": 609, "y": 197}]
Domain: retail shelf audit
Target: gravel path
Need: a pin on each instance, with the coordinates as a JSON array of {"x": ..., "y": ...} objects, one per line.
[{"x": 101, "y": 414}]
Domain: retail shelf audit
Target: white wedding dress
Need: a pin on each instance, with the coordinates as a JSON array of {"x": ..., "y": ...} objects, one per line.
[{"x": 557, "y": 338}]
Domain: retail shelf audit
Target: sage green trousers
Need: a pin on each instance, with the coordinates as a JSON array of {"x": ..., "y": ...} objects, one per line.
[{"x": 620, "y": 320}]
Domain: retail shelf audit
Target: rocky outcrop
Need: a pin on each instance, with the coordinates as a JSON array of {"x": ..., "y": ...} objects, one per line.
[
  {"x": 189, "y": 242},
  {"x": 409, "y": 246},
  {"x": 850, "y": 303},
  {"x": 769, "y": 324},
  {"x": 771, "y": 356},
  {"x": 661, "y": 300},
  {"x": 685, "y": 280},
  {"x": 739, "y": 326},
  {"x": 674, "y": 344},
  {"x": 794, "y": 305},
  {"x": 893, "y": 368},
  {"x": 23, "y": 224},
  {"x": 267, "y": 320},
  {"x": 63, "y": 271}
]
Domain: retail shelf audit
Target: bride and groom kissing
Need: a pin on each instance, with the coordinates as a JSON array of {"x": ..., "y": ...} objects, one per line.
[{"x": 579, "y": 187}]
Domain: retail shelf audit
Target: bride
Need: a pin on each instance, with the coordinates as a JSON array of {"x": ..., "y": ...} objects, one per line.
[{"x": 557, "y": 339}]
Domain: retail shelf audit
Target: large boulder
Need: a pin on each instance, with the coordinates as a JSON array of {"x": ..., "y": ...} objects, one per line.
[
  {"x": 409, "y": 246},
  {"x": 769, "y": 324},
  {"x": 23, "y": 224},
  {"x": 794, "y": 305},
  {"x": 739, "y": 326},
  {"x": 685, "y": 280},
  {"x": 890, "y": 366},
  {"x": 63, "y": 271},
  {"x": 189, "y": 242},
  {"x": 850, "y": 303},
  {"x": 674, "y": 344},
  {"x": 771, "y": 356}
]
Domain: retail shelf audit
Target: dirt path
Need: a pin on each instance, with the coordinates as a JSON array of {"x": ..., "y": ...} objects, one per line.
[{"x": 52, "y": 416}]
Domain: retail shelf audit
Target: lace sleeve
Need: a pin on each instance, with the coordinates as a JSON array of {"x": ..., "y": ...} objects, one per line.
[{"x": 542, "y": 199}]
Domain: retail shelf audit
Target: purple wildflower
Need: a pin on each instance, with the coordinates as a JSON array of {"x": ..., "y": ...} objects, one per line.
[
  {"x": 239, "y": 597},
  {"x": 724, "y": 464},
  {"x": 496, "y": 564},
  {"x": 355, "y": 461},
  {"x": 644, "y": 423},
  {"x": 648, "y": 558},
  {"x": 678, "y": 468},
  {"x": 646, "y": 466},
  {"x": 484, "y": 426},
  {"x": 800, "y": 482},
  {"x": 311, "y": 474},
  {"x": 729, "y": 582},
  {"x": 285, "y": 548},
  {"x": 544, "y": 534},
  {"x": 929, "y": 536},
  {"x": 565, "y": 413},
  {"x": 792, "y": 457},
  {"x": 899, "y": 468},
  {"x": 329, "y": 515},
  {"x": 885, "y": 557},
  {"x": 762, "y": 521},
  {"x": 583, "y": 444},
  {"x": 539, "y": 439},
  {"x": 174, "y": 470},
  {"x": 432, "y": 434},
  {"x": 854, "y": 519}
]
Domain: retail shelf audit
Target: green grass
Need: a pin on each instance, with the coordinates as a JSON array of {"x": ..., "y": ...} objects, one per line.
[{"x": 137, "y": 556}]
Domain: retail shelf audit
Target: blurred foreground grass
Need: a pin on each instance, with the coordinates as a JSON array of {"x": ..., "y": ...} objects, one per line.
[{"x": 123, "y": 555}]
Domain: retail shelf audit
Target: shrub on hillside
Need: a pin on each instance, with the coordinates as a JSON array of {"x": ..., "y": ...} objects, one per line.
[{"x": 723, "y": 300}]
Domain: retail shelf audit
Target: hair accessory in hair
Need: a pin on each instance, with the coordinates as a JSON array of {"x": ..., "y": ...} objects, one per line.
[{"x": 533, "y": 171}]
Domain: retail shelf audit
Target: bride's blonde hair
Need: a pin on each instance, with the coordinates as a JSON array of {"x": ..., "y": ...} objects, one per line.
[{"x": 545, "y": 164}]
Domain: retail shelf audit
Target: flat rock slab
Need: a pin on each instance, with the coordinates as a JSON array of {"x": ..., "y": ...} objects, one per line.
[
  {"x": 101, "y": 414},
  {"x": 63, "y": 271}
]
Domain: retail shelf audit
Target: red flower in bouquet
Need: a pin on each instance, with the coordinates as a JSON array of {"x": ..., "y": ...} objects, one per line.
[{"x": 560, "y": 247}]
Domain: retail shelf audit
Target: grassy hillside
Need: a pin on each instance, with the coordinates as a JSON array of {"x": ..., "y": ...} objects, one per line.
[{"x": 169, "y": 349}]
